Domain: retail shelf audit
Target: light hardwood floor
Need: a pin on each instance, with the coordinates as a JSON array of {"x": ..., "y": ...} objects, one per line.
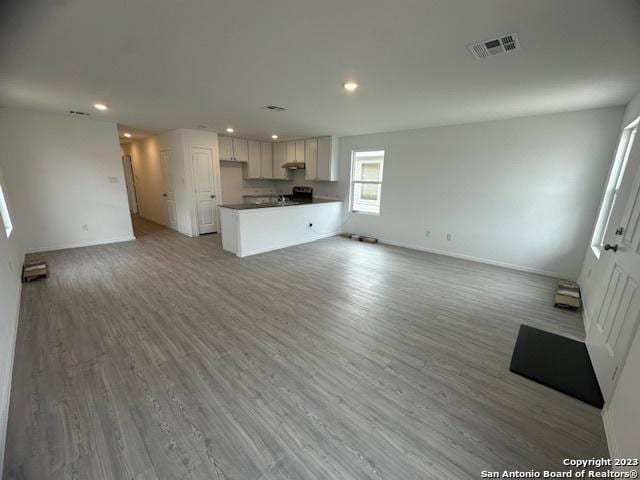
[{"x": 168, "y": 358}]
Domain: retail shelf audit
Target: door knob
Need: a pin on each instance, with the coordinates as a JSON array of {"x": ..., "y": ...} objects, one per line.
[
  {"x": 611, "y": 247},
  {"x": 212, "y": 196},
  {"x": 619, "y": 231},
  {"x": 164, "y": 194}
]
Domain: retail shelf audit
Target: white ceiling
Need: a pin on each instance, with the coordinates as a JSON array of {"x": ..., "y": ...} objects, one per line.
[{"x": 162, "y": 64}]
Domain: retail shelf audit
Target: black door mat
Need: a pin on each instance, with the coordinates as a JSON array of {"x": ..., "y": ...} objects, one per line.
[{"x": 557, "y": 362}]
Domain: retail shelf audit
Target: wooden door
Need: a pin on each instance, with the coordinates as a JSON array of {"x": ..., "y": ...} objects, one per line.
[
  {"x": 254, "y": 166},
  {"x": 266, "y": 159},
  {"x": 205, "y": 190},
  {"x": 169, "y": 193},
  {"x": 614, "y": 326},
  {"x": 311, "y": 159}
]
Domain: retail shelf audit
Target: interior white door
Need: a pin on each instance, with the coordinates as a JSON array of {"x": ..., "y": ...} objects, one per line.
[
  {"x": 129, "y": 181},
  {"x": 205, "y": 189},
  {"x": 614, "y": 326},
  {"x": 169, "y": 192}
]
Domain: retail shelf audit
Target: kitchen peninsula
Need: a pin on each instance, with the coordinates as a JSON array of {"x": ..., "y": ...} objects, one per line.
[{"x": 251, "y": 228}]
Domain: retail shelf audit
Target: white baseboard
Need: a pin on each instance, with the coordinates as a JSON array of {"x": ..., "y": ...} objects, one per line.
[
  {"x": 91, "y": 243},
  {"x": 282, "y": 245},
  {"x": 487, "y": 261}
]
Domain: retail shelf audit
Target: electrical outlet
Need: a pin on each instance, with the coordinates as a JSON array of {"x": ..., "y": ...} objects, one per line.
[
  {"x": 114, "y": 180},
  {"x": 449, "y": 237},
  {"x": 428, "y": 234},
  {"x": 85, "y": 227},
  {"x": 11, "y": 266}
]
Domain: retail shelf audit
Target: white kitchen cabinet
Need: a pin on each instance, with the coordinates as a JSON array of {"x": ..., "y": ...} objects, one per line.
[
  {"x": 266, "y": 159},
  {"x": 291, "y": 152},
  {"x": 279, "y": 159},
  {"x": 240, "y": 150},
  {"x": 254, "y": 164},
  {"x": 311, "y": 158},
  {"x": 260, "y": 163},
  {"x": 233, "y": 149},
  {"x": 327, "y": 159},
  {"x": 300, "y": 151},
  {"x": 225, "y": 145}
]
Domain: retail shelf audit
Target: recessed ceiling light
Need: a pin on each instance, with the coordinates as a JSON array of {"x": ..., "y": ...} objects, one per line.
[
  {"x": 100, "y": 106},
  {"x": 229, "y": 130},
  {"x": 274, "y": 136},
  {"x": 350, "y": 86},
  {"x": 127, "y": 134}
]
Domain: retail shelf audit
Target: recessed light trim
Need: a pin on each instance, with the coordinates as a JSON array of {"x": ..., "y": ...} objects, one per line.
[
  {"x": 100, "y": 106},
  {"x": 230, "y": 130},
  {"x": 351, "y": 86},
  {"x": 127, "y": 135},
  {"x": 274, "y": 136}
]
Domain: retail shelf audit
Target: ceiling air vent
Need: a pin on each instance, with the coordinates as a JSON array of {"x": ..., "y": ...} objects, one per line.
[
  {"x": 81, "y": 114},
  {"x": 495, "y": 46},
  {"x": 274, "y": 108}
]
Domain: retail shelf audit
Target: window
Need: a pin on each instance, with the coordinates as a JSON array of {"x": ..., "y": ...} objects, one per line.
[
  {"x": 366, "y": 181},
  {"x": 4, "y": 212},
  {"x": 613, "y": 186}
]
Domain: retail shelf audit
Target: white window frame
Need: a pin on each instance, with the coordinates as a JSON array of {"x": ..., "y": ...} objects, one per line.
[
  {"x": 613, "y": 186},
  {"x": 4, "y": 210},
  {"x": 353, "y": 181}
]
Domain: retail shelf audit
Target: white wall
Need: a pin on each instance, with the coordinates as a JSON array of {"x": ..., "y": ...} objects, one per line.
[
  {"x": 59, "y": 170},
  {"x": 521, "y": 193},
  {"x": 622, "y": 421},
  {"x": 10, "y": 267}
]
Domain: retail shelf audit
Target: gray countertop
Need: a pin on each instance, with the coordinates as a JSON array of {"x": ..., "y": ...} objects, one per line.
[{"x": 251, "y": 206}]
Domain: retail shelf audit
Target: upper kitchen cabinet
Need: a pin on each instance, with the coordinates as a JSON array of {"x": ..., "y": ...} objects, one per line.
[
  {"x": 254, "y": 166},
  {"x": 225, "y": 145},
  {"x": 291, "y": 152},
  {"x": 233, "y": 149},
  {"x": 279, "y": 159},
  {"x": 327, "y": 162},
  {"x": 260, "y": 163},
  {"x": 240, "y": 150},
  {"x": 311, "y": 159},
  {"x": 299, "y": 151},
  {"x": 266, "y": 159}
]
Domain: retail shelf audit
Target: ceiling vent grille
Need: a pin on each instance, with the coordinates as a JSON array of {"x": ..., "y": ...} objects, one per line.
[
  {"x": 495, "y": 46},
  {"x": 274, "y": 108},
  {"x": 81, "y": 114}
]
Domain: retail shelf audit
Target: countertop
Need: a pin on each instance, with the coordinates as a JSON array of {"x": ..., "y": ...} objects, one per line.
[{"x": 251, "y": 206}]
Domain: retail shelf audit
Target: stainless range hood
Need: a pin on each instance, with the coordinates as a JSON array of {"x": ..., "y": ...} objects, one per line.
[{"x": 294, "y": 165}]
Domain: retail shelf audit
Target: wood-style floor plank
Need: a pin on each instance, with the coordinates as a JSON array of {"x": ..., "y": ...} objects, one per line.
[{"x": 168, "y": 358}]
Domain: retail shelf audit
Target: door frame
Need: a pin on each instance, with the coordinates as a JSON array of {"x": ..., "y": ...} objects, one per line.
[
  {"x": 193, "y": 196},
  {"x": 126, "y": 158}
]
